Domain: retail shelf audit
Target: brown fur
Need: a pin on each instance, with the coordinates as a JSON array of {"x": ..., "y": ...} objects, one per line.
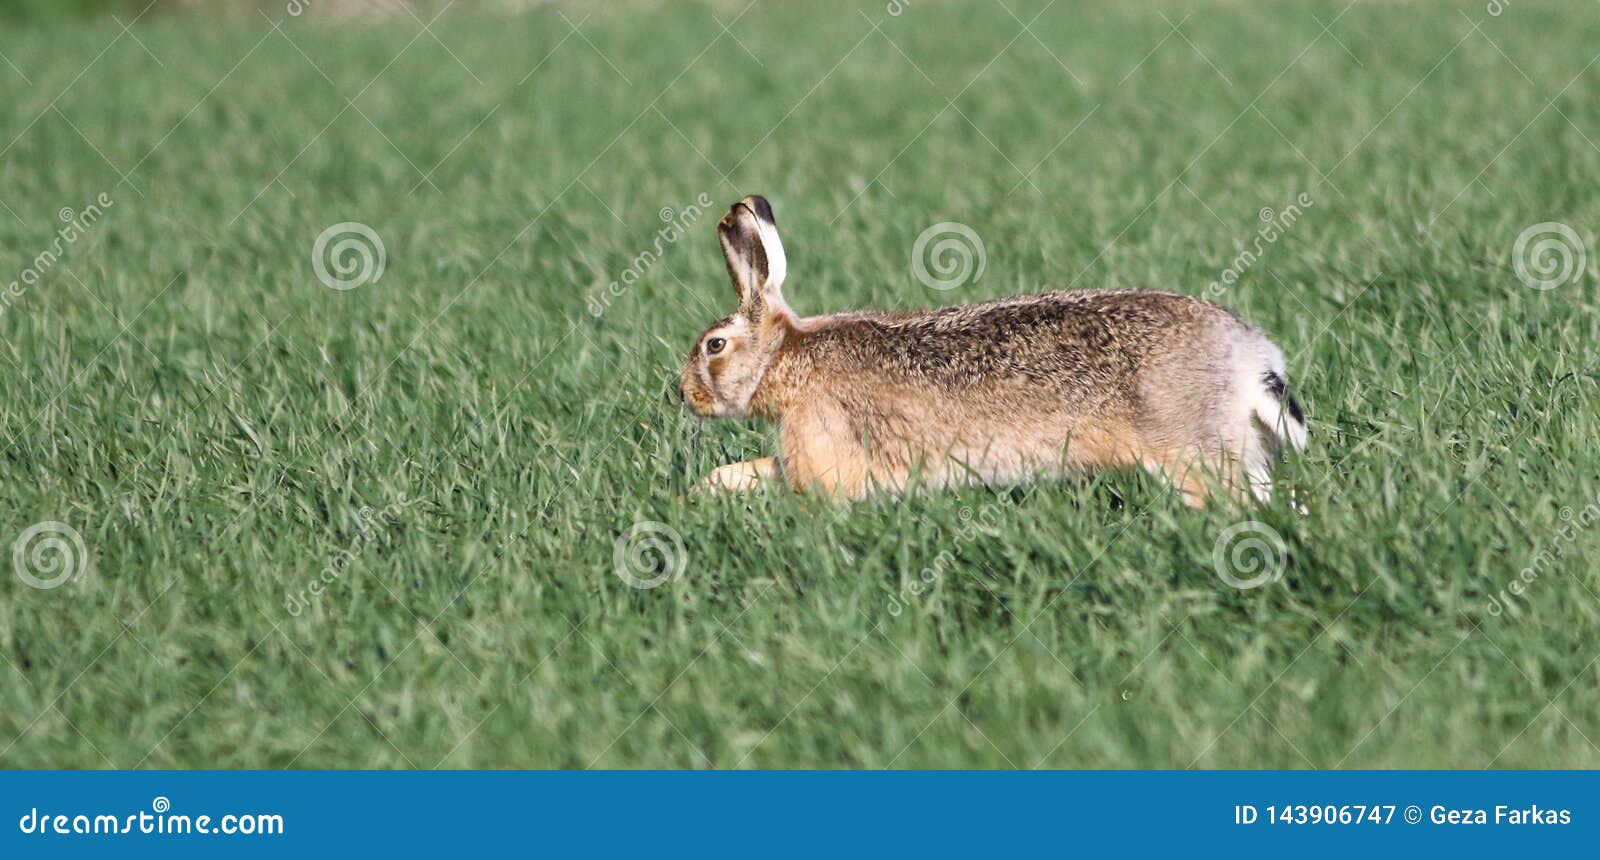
[{"x": 987, "y": 393}]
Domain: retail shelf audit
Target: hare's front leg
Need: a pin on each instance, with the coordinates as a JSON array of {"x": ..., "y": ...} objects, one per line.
[
  {"x": 1185, "y": 471},
  {"x": 822, "y": 453},
  {"x": 741, "y": 477}
]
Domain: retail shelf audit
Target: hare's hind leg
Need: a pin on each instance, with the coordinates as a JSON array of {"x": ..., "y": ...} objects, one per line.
[
  {"x": 1187, "y": 471},
  {"x": 741, "y": 477}
]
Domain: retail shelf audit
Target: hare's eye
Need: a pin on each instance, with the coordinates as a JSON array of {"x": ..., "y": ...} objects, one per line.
[{"x": 715, "y": 345}]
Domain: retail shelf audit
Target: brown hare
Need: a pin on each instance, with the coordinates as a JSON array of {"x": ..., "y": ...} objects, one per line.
[{"x": 992, "y": 393}]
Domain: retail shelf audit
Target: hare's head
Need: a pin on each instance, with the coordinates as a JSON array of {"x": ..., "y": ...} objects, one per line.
[{"x": 729, "y": 359}]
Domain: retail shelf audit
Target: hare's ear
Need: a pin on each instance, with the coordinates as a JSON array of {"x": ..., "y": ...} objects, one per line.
[{"x": 755, "y": 258}]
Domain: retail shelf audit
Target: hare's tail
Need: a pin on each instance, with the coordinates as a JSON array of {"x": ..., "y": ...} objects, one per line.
[
  {"x": 1276, "y": 420},
  {"x": 1279, "y": 412}
]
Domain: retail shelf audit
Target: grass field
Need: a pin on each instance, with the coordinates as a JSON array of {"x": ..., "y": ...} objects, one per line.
[{"x": 454, "y": 451}]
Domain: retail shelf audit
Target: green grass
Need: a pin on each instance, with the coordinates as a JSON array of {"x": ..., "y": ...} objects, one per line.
[{"x": 182, "y": 391}]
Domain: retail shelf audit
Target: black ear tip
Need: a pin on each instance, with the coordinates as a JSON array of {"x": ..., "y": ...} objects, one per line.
[{"x": 759, "y": 206}]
